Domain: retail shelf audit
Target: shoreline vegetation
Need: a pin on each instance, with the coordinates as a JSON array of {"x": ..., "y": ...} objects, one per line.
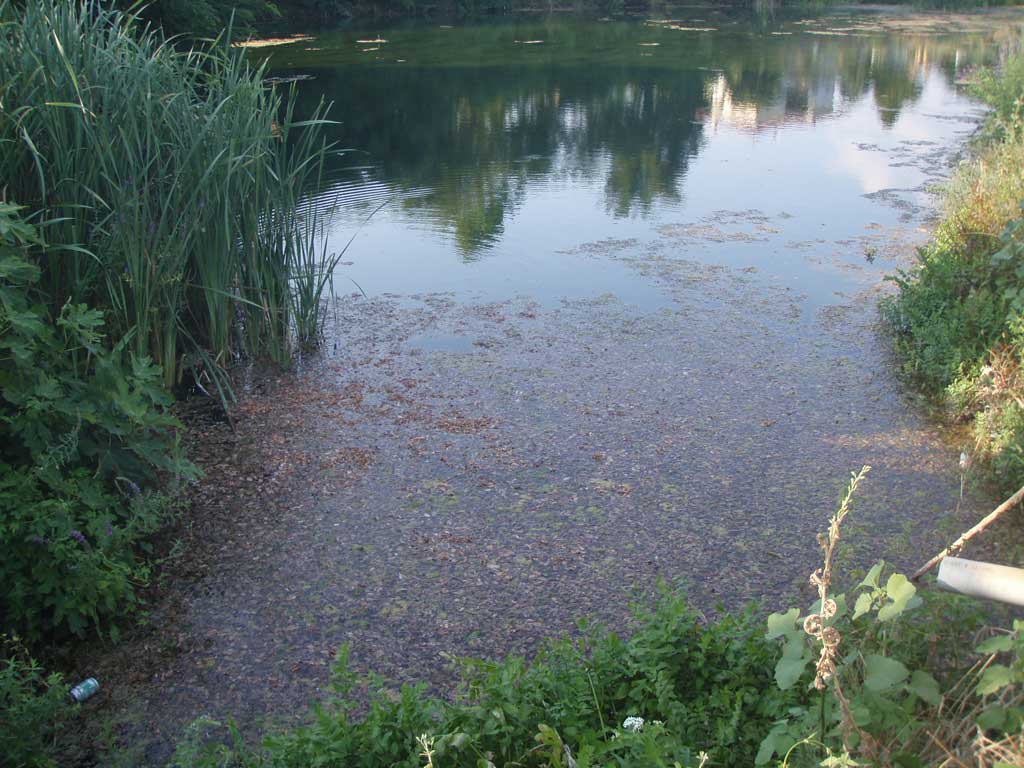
[
  {"x": 956, "y": 322},
  {"x": 149, "y": 239},
  {"x": 208, "y": 17}
]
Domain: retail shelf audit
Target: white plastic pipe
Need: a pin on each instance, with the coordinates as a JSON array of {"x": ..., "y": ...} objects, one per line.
[{"x": 987, "y": 580}]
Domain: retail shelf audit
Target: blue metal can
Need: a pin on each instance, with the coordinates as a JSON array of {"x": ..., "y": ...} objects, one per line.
[{"x": 85, "y": 689}]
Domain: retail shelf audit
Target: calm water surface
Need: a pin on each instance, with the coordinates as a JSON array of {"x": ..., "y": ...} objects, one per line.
[{"x": 502, "y": 147}]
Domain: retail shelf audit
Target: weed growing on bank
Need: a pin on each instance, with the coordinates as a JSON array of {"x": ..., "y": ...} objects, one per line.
[
  {"x": 89, "y": 456},
  {"x": 33, "y": 707},
  {"x": 957, "y": 322}
]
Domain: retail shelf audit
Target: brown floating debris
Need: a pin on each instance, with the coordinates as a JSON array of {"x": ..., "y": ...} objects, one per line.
[
  {"x": 269, "y": 41},
  {"x": 289, "y": 79}
]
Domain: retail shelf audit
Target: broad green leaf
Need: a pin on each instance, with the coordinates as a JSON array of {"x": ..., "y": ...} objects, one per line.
[
  {"x": 778, "y": 741},
  {"x": 996, "y": 644},
  {"x": 871, "y": 580},
  {"x": 907, "y": 760},
  {"x": 883, "y": 673},
  {"x": 900, "y": 591},
  {"x": 924, "y": 687},
  {"x": 795, "y": 647},
  {"x": 782, "y": 623},
  {"x": 861, "y": 713},
  {"x": 788, "y": 671},
  {"x": 993, "y": 718},
  {"x": 992, "y": 679},
  {"x": 863, "y": 604}
]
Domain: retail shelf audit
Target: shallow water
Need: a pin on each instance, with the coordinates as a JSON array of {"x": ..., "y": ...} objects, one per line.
[{"x": 620, "y": 325}]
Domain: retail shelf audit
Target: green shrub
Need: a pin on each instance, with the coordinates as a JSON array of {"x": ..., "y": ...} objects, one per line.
[
  {"x": 32, "y": 709},
  {"x": 84, "y": 439},
  {"x": 946, "y": 317},
  {"x": 888, "y": 695},
  {"x": 956, "y": 321},
  {"x": 205, "y": 17},
  {"x": 1001, "y": 684},
  {"x": 1003, "y": 90},
  {"x": 697, "y": 688}
]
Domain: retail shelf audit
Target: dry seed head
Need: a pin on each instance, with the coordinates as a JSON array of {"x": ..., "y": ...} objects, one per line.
[
  {"x": 829, "y": 608},
  {"x": 830, "y": 637},
  {"x": 812, "y": 625}
]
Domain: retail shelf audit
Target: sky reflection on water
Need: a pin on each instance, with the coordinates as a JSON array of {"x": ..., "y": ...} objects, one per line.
[{"x": 772, "y": 146}]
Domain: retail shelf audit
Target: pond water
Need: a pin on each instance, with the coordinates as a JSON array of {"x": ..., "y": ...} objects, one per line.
[
  {"x": 496, "y": 147},
  {"x": 616, "y": 323}
]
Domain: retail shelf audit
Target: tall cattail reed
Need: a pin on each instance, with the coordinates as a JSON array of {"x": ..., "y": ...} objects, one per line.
[{"x": 166, "y": 182}]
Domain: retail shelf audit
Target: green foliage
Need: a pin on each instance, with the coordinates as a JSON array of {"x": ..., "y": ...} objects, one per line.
[
  {"x": 957, "y": 320},
  {"x": 33, "y": 706},
  {"x": 886, "y": 641},
  {"x": 84, "y": 436},
  {"x": 1003, "y": 90},
  {"x": 947, "y": 316},
  {"x": 171, "y": 180},
  {"x": 206, "y": 17},
  {"x": 1001, "y": 683},
  {"x": 694, "y": 687}
]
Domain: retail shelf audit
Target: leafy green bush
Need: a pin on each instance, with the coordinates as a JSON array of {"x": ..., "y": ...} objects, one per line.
[
  {"x": 84, "y": 438},
  {"x": 1003, "y": 90},
  {"x": 1001, "y": 685},
  {"x": 947, "y": 316},
  {"x": 886, "y": 695},
  {"x": 672, "y": 690},
  {"x": 957, "y": 320},
  {"x": 205, "y": 17},
  {"x": 32, "y": 709}
]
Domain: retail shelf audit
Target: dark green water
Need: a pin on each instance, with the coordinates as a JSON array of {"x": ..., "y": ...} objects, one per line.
[{"x": 504, "y": 146}]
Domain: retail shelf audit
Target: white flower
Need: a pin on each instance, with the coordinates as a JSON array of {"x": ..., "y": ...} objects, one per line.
[{"x": 634, "y": 724}]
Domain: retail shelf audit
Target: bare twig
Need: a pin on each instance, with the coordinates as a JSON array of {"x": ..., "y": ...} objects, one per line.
[{"x": 959, "y": 543}]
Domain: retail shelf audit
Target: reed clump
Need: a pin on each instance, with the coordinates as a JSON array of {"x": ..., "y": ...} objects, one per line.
[{"x": 166, "y": 183}]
